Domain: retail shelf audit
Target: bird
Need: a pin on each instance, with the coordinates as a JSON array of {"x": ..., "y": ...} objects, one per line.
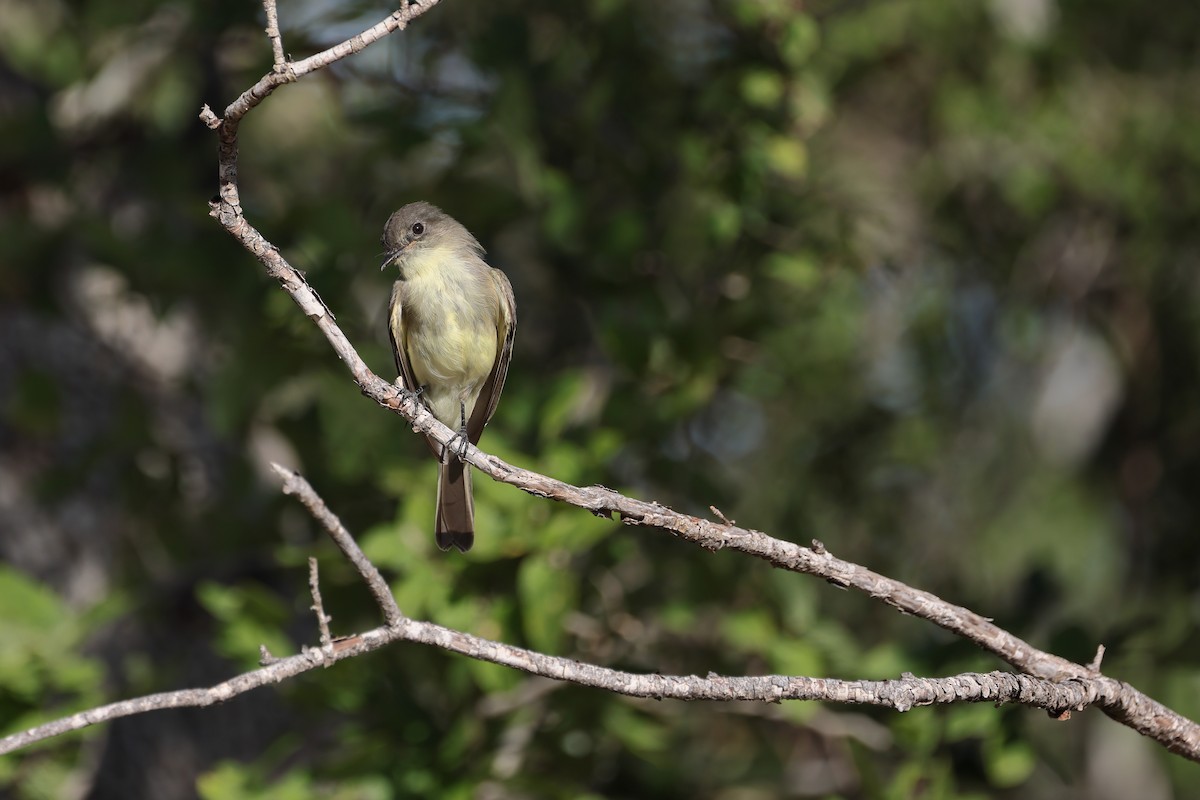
[{"x": 451, "y": 319}]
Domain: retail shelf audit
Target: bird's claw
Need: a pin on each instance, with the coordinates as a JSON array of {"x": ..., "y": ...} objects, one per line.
[
  {"x": 409, "y": 394},
  {"x": 459, "y": 443}
]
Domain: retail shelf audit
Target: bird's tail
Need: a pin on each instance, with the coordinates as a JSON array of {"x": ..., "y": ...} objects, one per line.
[{"x": 455, "y": 526}]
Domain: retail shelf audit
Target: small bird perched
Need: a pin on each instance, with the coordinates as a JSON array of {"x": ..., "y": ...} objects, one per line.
[{"x": 451, "y": 318}]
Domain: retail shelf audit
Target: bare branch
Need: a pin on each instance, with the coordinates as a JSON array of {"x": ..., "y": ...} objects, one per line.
[
  {"x": 1097, "y": 659},
  {"x": 295, "y": 484},
  {"x": 226, "y": 126},
  {"x": 274, "y": 35},
  {"x": 902, "y": 694},
  {"x": 279, "y": 670},
  {"x": 396, "y": 21},
  {"x": 314, "y": 589}
]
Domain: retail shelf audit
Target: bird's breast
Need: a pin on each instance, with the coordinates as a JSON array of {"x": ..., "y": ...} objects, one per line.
[{"x": 450, "y": 313}]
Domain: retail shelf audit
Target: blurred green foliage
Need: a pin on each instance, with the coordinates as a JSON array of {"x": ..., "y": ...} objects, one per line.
[{"x": 918, "y": 278}]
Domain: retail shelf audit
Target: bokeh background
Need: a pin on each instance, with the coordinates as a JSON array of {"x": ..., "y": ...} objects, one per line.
[{"x": 918, "y": 278}]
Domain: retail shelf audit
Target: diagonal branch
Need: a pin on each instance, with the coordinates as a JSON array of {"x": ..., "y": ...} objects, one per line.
[
  {"x": 294, "y": 483},
  {"x": 286, "y": 72},
  {"x": 290, "y": 72}
]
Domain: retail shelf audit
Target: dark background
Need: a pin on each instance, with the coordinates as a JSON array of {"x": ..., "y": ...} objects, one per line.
[{"x": 918, "y": 278}]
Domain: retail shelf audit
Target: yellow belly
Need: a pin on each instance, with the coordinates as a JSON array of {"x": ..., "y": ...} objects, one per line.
[
  {"x": 450, "y": 320},
  {"x": 452, "y": 364}
]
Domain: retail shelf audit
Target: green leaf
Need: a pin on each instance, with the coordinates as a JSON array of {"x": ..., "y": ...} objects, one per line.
[
  {"x": 796, "y": 657},
  {"x": 1009, "y": 764},
  {"x": 762, "y": 88},
  {"x": 753, "y": 630},
  {"x": 800, "y": 40},
  {"x": 26, "y": 605},
  {"x": 548, "y": 592},
  {"x": 642, "y": 734},
  {"x": 249, "y": 616}
]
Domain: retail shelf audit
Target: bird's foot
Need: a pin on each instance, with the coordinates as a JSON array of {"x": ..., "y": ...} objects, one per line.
[
  {"x": 459, "y": 443},
  {"x": 409, "y": 394}
]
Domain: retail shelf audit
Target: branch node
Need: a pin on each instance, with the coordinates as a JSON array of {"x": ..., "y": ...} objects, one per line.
[
  {"x": 265, "y": 659},
  {"x": 724, "y": 519},
  {"x": 211, "y": 120}
]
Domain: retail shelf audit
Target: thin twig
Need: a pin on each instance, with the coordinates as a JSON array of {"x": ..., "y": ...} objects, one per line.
[
  {"x": 721, "y": 516},
  {"x": 265, "y": 659},
  {"x": 274, "y": 35},
  {"x": 295, "y": 484},
  {"x": 1097, "y": 659},
  {"x": 314, "y": 588}
]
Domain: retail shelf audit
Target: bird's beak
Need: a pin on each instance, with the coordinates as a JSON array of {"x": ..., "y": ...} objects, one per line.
[{"x": 388, "y": 258}]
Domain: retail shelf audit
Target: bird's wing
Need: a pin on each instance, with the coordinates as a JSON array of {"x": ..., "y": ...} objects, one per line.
[
  {"x": 399, "y": 345},
  {"x": 400, "y": 353},
  {"x": 506, "y": 328}
]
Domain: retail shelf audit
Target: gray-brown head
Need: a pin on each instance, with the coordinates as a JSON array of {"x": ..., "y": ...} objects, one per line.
[{"x": 423, "y": 225}]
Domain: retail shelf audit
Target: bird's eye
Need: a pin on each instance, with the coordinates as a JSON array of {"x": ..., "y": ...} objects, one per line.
[{"x": 418, "y": 228}]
